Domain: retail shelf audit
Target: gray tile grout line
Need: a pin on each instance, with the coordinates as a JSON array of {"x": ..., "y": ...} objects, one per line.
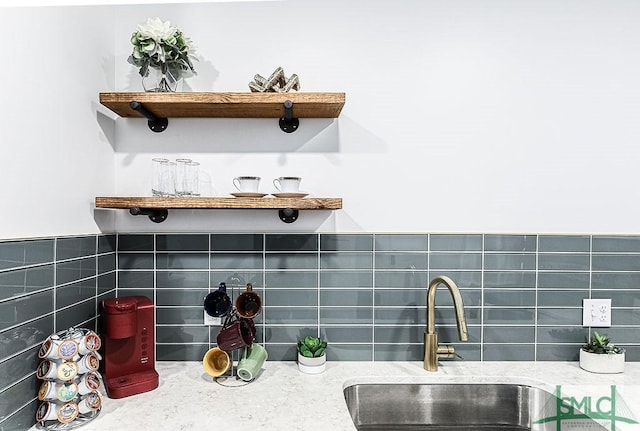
[
  {"x": 373, "y": 297},
  {"x": 535, "y": 316},
  {"x": 482, "y": 304},
  {"x": 55, "y": 284}
]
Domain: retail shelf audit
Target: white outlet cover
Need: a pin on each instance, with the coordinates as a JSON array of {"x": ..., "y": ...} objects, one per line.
[
  {"x": 596, "y": 313},
  {"x": 212, "y": 321}
]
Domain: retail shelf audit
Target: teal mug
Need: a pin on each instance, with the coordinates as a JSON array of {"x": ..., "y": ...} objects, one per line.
[{"x": 251, "y": 362}]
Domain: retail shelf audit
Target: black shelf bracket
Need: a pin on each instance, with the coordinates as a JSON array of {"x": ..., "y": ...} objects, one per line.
[
  {"x": 288, "y": 215},
  {"x": 155, "y": 215},
  {"x": 156, "y": 124},
  {"x": 288, "y": 124}
]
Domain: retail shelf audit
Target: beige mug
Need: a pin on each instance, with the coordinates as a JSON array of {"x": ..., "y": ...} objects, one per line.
[{"x": 216, "y": 362}]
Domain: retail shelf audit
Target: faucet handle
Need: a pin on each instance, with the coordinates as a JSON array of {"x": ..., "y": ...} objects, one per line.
[
  {"x": 458, "y": 355},
  {"x": 448, "y": 352}
]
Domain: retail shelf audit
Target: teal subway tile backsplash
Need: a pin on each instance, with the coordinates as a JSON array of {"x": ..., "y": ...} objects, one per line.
[
  {"x": 438, "y": 242},
  {"x": 564, "y": 243},
  {"x": 344, "y": 242},
  {"x": 392, "y": 242},
  {"x": 365, "y": 292},
  {"x": 616, "y": 244},
  {"x": 46, "y": 285},
  {"x": 16, "y": 254},
  {"x": 506, "y": 243},
  {"x": 178, "y": 242}
]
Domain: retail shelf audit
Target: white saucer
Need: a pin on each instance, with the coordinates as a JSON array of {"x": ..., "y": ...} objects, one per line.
[
  {"x": 248, "y": 195},
  {"x": 290, "y": 195}
]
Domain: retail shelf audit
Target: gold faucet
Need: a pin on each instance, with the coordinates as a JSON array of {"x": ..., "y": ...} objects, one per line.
[{"x": 431, "y": 349}]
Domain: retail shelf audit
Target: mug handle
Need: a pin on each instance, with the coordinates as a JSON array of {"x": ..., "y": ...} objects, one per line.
[
  {"x": 276, "y": 184},
  {"x": 236, "y": 183}
]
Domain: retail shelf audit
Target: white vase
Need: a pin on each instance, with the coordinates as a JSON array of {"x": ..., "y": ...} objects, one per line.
[
  {"x": 312, "y": 365},
  {"x": 602, "y": 363}
]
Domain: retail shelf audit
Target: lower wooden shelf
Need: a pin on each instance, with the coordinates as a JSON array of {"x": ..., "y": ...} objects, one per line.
[{"x": 157, "y": 207}]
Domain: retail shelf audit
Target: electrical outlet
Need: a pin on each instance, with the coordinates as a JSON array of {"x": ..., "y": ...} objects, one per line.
[
  {"x": 596, "y": 313},
  {"x": 211, "y": 321}
]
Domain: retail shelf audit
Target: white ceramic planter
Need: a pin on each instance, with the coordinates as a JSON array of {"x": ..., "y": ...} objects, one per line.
[
  {"x": 602, "y": 363},
  {"x": 312, "y": 365}
]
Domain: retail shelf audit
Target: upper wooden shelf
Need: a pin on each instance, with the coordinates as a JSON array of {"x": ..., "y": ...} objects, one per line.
[
  {"x": 226, "y": 105},
  {"x": 157, "y": 207}
]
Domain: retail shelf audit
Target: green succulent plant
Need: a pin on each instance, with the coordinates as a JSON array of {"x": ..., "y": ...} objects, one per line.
[
  {"x": 600, "y": 344},
  {"x": 312, "y": 347}
]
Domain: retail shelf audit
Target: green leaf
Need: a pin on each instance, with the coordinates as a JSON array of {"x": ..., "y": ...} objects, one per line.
[{"x": 319, "y": 352}]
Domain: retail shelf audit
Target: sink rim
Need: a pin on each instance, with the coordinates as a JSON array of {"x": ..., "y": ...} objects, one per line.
[{"x": 448, "y": 379}]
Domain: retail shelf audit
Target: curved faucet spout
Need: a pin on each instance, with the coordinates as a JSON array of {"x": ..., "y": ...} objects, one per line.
[
  {"x": 431, "y": 348},
  {"x": 457, "y": 303}
]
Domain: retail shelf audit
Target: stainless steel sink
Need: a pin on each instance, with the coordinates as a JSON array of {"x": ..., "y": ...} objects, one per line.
[{"x": 448, "y": 406}]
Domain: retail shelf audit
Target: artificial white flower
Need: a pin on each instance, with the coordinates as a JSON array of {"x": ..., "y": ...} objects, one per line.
[{"x": 157, "y": 30}]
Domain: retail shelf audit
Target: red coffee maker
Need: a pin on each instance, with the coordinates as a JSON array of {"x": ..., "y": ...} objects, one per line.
[{"x": 129, "y": 346}]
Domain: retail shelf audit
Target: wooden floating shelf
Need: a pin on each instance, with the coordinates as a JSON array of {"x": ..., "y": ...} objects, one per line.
[
  {"x": 308, "y": 203},
  {"x": 226, "y": 105},
  {"x": 157, "y": 207}
]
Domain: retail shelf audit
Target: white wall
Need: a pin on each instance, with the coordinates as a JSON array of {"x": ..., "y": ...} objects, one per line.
[
  {"x": 461, "y": 116},
  {"x": 54, "y": 153}
]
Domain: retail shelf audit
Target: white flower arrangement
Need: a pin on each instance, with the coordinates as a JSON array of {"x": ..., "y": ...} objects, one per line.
[{"x": 159, "y": 45}]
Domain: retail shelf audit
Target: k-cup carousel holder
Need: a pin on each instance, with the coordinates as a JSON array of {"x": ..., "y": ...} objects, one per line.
[{"x": 69, "y": 392}]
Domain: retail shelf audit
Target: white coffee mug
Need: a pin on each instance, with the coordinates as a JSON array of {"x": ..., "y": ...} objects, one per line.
[
  {"x": 247, "y": 184},
  {"x": 287, "y": 184}
]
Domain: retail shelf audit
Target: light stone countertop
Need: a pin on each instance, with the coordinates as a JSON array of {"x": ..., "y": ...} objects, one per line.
[{"x": 282, "y": 398}]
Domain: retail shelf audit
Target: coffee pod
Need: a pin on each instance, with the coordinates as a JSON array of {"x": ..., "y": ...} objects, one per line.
[
  {"x": 90, "y": 402},
  {"x": 52, "y": 391},
  {"x": 58, "y": 349},
  {"x": 47, "y": 370},
  {"x": 216, "y": 362},
  {"x": 248, "y": 303},
  {"x": 64, "y": 413},
  {"x": 90, "y": 362},
  {"x": 66, "y": 371},
  {"x": 89, "y": 343},
  {"x": 89, "y": 382}
]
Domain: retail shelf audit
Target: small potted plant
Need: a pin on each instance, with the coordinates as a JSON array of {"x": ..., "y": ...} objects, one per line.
[
  {"x": 599, "y": 355},
  {"x": 312, "y": 355}
]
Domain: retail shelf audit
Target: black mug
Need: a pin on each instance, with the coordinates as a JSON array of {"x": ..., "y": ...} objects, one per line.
[{"x": 218, "y": 303}]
